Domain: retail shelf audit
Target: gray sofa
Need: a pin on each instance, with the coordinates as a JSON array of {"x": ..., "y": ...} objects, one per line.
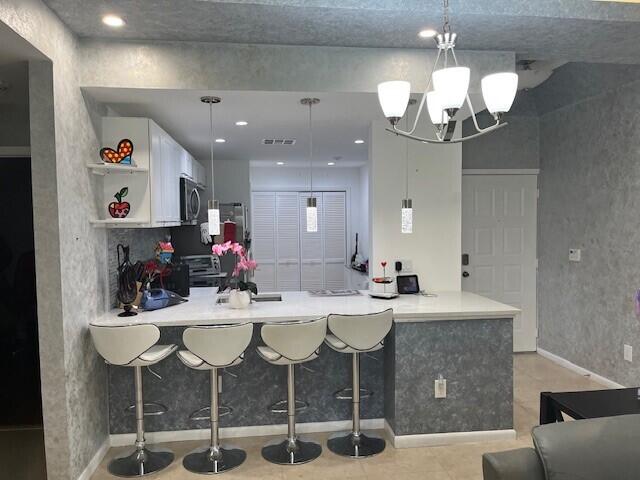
[{"x": 597, "y": 449}]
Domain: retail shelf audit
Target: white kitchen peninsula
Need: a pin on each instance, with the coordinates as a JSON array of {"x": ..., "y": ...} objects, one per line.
[{"x": 466, "y": 338}]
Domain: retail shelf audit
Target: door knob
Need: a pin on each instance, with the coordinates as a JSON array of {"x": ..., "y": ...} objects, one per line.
[{"x": 465, "y": 274}]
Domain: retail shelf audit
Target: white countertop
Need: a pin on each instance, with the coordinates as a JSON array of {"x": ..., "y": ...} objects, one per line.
[{"x": 201, "y": 309}]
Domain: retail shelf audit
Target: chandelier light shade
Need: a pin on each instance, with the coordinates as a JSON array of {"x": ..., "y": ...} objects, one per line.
[
  {"x": 452, "y": 85},
  {"x": 394, "y": 97},
  {"x": 436, "y": 110},
  {"x": 499, "y": 91},
  {"x": 446, "y": 93}
]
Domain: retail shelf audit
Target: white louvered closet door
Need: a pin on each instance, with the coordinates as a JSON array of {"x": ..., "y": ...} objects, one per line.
[
  {"x": 311, "y": 248},
  {"x": 287, "y": 242},
  {"x": 334, "y": 239},
  {"x": 263, "y": 231}
]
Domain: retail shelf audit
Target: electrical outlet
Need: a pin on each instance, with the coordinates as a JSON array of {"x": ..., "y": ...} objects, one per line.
[
  {"x": 575, "y": 255},
  {"x": 407, "y": 265},
  {"x": 440, "y": 387},
  {"x": 628, "y": 353}
]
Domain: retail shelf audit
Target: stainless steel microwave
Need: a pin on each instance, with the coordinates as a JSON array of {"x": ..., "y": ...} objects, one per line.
[{"x": 189, "y": 202}]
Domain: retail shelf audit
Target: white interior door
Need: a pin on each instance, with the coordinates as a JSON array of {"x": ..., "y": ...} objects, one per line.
[
  {"x": 335, "y": 250},
  {"x": 499, "y": 228},
  {"x": 263, "y": 221},
  {"x": 311, "y": 247},
  {"x": 288, "y": 242}
]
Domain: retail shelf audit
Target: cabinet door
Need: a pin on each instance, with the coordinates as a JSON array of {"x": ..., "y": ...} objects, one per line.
[
  {"x": 186, "y": 165},
  {"x": 334, "y": 239},
  {"x": 287, "y": 244},
  {"x": 171, "y": 153},
  {"x": 311, "y": 251},
  {"x": 263, "y": 226},
  {"x": 156, "y": 170}
]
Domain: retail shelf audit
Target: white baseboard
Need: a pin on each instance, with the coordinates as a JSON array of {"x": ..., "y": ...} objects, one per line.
[
  {"x": 125, "y": 439},
  {"x": 95, "y": 461},
  {"x": 449, "y": 438},
  {"x": 578, "y": 369}
]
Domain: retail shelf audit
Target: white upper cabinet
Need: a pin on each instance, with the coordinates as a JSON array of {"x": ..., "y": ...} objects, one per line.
[
  {"x": 187, "y": 165},
  {"x": 153, "y": 188}
]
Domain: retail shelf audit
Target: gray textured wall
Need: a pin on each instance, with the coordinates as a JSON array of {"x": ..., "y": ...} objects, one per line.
[
  {"x": 14, "y": 105},
  {"x": 70, "y": 254},
  {"x": 513, "y": 146},
  {"x": 589, "y": 199}
]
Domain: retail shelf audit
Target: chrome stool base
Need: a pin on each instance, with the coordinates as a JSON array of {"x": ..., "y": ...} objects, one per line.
[
  {"x": 281, "y": 452},
  {"x": 362, "y": 446},
  {"x": 141, "y": 462},
  {"x": 205, "y": 461}
]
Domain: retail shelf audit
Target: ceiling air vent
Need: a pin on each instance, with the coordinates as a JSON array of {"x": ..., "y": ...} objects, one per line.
[{"x": 278, "y": 141}]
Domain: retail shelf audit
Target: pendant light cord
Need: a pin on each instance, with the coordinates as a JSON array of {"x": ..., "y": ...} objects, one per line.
[
  {"x": 310, "y": 150},
  {"x": 211, "y": 142},
  {"x": 446, "y": 27},
  {"x": 406, "y": 150}
]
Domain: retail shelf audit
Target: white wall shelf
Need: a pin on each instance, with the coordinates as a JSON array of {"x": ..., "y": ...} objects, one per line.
[
  {"x": 114, "y": 222},
  {"x": 107, "y": 169}
]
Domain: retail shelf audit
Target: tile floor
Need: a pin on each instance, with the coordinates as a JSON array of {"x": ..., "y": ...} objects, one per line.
[{"x": 532, "y": 374}]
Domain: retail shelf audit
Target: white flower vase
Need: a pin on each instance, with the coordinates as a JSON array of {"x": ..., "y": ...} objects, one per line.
[{"x": 239, "y": 299}]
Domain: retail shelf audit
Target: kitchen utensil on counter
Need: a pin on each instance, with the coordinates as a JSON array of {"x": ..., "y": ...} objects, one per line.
[{"x": 127, "y": 285}]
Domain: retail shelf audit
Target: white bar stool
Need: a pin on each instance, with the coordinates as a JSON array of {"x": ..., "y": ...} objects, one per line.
[
  {"x": 291, "y": 343},
  {"x": 134, "y": 346},
  {"x": 211, "y": 348},
  {"x": 356, "y": 334}
]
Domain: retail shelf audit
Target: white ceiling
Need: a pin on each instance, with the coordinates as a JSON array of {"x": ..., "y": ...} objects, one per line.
[{"x": 338, "y": 120}]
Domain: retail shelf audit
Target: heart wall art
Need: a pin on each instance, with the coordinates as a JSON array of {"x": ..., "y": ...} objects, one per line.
[
  {"x": 122, "y": 155},
  {"x": 119, "y": 208}
]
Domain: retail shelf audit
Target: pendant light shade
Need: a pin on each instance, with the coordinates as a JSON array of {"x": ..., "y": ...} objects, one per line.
[
  {"x": 452, "y": 85},
  {"x": 394, "y": 98},
  {"x": 436, "y": 110},
  {"x": 312, "y": 214},
  {"x": 213, "y": 217},
  {"x": 499, "y": 91},
  {"x": 407, "y": 216}
]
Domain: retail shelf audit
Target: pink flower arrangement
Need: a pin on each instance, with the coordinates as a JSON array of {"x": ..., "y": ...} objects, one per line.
[{"x": 243, "y": 264}]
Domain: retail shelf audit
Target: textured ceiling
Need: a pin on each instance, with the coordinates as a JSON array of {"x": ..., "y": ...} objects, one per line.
[{"x": 573, "y": 30}]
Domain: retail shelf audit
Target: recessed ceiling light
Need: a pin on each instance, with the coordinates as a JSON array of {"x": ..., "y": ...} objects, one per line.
[
  {"x": 220, "y": 140},
  {"x": 331, "y": 164},
  {"x": 427, "y": 33},
  {"x": 359, "y": 141},
  {"x": 279, "y": 163},
  {"x": 242, "y": 123},
  {"x": 113, "y": 21}
]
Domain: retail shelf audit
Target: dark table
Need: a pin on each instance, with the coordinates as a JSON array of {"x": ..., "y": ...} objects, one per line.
[{"x": 588, "y": 404}]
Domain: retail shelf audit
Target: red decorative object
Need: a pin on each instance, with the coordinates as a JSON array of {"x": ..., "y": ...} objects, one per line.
[{"x": 120, "y": 209}]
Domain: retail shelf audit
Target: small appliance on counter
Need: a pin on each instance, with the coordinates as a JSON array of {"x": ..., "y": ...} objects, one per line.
[
  {"x": 157, "y": 298},
  {"x": 177, "y": 280},
  {"x": 204, "y": 270}
]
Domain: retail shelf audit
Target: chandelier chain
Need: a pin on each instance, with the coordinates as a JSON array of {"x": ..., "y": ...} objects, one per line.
[{"x": 446, "y": 27}]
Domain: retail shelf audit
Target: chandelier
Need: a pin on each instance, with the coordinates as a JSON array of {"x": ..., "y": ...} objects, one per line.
[{"x": 450, "y": 90}]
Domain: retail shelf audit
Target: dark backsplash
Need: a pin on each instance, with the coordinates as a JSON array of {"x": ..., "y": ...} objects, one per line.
[{"x": 141, "y": 242}]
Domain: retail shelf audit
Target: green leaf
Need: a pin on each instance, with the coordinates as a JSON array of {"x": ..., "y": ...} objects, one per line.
[{"x": 124, "y": 192}]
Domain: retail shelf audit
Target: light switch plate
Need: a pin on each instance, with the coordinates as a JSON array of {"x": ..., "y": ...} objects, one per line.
[
  {"x": 575, "y": 255},
  {"x": 628, "y": 353},
  {"x": 440, "y": 388}
]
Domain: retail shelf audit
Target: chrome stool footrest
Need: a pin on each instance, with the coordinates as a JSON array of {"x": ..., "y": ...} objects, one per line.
[
  {"x": 151, "y": 409},
  {"x": 347, "y": 393},
  {"x": 204, "y": 413},
  {"x": 281, "y": 406}
]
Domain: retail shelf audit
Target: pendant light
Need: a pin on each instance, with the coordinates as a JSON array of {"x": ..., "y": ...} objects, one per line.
[
  {"x": 407, "y": 203},
  {"x": 312, "y": 202},
  {"x": 213, "y": 210}
]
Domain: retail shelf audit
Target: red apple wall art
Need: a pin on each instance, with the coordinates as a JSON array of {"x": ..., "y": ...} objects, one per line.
[{"x": 120, "y": 209}]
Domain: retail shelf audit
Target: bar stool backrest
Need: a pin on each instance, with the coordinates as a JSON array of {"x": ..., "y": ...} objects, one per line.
[
  {"x": 361, "y": 332},
  {"x": 218, "y": 345},
  {"x": 295, "y": 340},
  {"x": 122, "y": 345}
]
